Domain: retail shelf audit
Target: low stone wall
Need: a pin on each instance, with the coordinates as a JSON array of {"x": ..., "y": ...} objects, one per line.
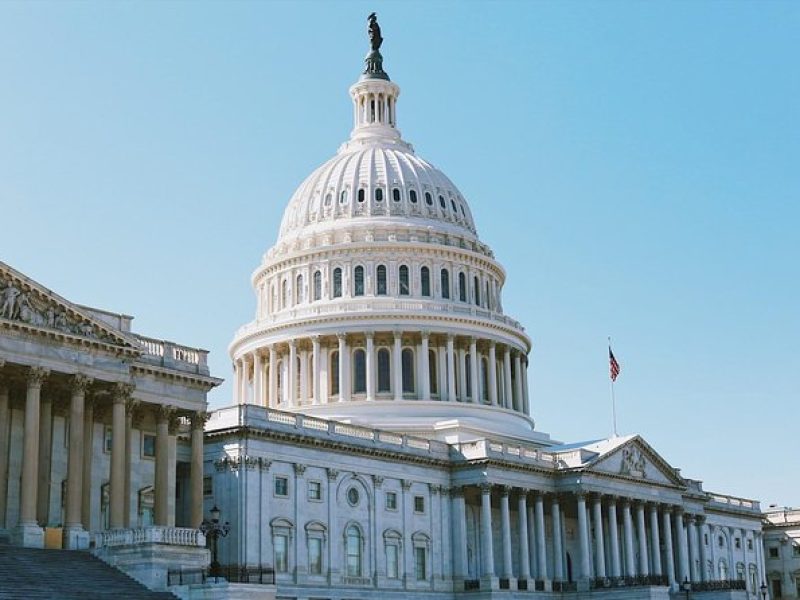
[
  {"x": 149, "y": 562},
  {"x": 224, "y": 591}
]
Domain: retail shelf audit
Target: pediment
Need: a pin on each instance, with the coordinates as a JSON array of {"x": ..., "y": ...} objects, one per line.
[
  {"x": 635, "y": 459},
  {"x": 26, "y": 302}
]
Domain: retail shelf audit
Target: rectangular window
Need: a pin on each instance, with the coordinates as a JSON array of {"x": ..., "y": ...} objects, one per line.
[
  {"x": 107, "y": 441},
  {"x": 391, "y": 501},
  {"x": 419, "y": 564},
  {"x": 419, "y": 504},
  {"x": 315, "y": 556},
  {"x": 773, "y": 553},
  {"x": 281, "y": 486},
  {"x": 314, "y": 490},
  {"x": 281, "y": 543},
  {"x": 392, "y": 559},
  {"x": 737, "y": 542},
  {"x": 208, "y": 486},
  {"x": 749, "y": 544},
  {"x": 796, "y": 550},
  {"x": 148, "y": 445},
  {"x": 705, "y": 539}
]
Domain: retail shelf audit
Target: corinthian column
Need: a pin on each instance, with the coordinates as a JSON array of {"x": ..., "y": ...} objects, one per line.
[
  {"x": 627, "y": 532},
  {"x": 600, "y": 555},
  {"x": 426, "y": 368},
  {"x": 669, "y": 556},
  {"x": 508, "y": 393},
  {"x": 655, "y": 542},
  {"x": 558, "y": 551},
  {"x": 88, "y": 451},
  {"x": 73, "y": 528},
  {"x": 451, "y": 369},
  {"x": 161, "y": 509},
  {"x": 492, "y": 374},
  {"x": 473, "y": 371},
  {"x": 519, "y": 401},
  {"x": 644, "y": 568},
  {"x": 28, "y": 533},
  {"x": 196, "y": 472},
  {"x": 45, "y": 461},
  {"x": 370, "y": 365},
  {"x": 132, "y": 407},
  {"x": 397, "y": 371},
  {"x": 486, "y": 530},
  {"x": 583, "y": 538},
  {"x": 505, "y": 529},
  {"x": 122, "y": 392},
  {"x": 522, "y": 524},
  {"x": 273, "y": 377},
  {"x": 613, "y": 538}
]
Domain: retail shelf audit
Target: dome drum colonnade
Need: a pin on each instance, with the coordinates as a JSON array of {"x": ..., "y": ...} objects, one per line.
[{"x": 383, "y": 365}]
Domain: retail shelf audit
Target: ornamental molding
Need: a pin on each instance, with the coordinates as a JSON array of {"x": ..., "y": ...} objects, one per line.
[{"x": 633, "y": 462}]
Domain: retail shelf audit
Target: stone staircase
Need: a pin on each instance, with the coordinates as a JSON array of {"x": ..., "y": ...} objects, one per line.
[{"x": 31, "y": 574}]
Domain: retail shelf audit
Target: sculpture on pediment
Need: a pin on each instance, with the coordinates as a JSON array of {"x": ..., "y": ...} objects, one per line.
[
  {"x": 633, "y": 462},
  {"x": 8, "y": 302}
]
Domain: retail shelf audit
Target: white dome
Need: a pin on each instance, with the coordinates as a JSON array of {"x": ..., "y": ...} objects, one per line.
[
  {"x": 379, "y": 305},
  {"x": 376, "y": 181}
]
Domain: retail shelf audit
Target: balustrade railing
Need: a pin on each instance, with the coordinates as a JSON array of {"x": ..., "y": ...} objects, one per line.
[
  {"x": 173, "y": 536},
  {"x": 637, "y": 581},
  {"x": 713, "y": 586},
  {"x": 170, "y": 354}
]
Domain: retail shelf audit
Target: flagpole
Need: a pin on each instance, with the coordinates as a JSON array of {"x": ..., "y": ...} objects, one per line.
[{"x": 613, "y": 399}]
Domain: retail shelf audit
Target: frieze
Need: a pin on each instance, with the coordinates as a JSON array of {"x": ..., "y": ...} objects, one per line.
[{"x": 235, "y": 463}]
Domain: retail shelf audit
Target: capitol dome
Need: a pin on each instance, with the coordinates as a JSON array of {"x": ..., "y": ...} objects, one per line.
[{"x": 379, "y": 305}]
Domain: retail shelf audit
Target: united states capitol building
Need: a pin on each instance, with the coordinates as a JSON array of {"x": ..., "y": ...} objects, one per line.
[{"x": 381, "y": 440}]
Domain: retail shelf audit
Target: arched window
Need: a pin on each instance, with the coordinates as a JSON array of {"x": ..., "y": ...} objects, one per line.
[
  {"x": 361, "y": 195},
  {"x": 404, "y": 289},
  {"x": 740, "y": 572},
  {"x": 343, "y": 197},
  {"x": 453, "y": 206},
  {"x": 359, "y": 372},
  {"x": 488, "y": 297},
  {"x": 412, "y": 195},
  {"x": 484, "y": 379},
  {"x": 428, "y": 199},
  {"x": 358, "y": 281},
  {"x": 723, "y": 570},
  {"x": 381, "y": 291},
  {"x": 408, "y": 371},
  {"x": 334, "y": 373},
  {"x": 434, "y": 380},
  {"x": 477, "y": 286},
  {"x": 328, "y": 199},
  {"x": 468, "y": 374},
  {"x": 378, "y": 194},
  {"x": 285, "y": 293},
  {"x": 337, "y": 283},
  {"x": 384, "y": 372},
  {"x": 299, "y": 290},
  {"x": 317, "y": 285},
  {"x": 353, "y": 542},
  {"x": 441, "y": 203},
  {"x": 445, "y": 284},
  {"x": 396, "y": 195},
  {"x": 462, "y": 287},
  {"x": 425, "y": 281}
]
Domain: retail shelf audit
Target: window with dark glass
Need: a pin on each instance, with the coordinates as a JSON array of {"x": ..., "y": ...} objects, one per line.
[
  {"x": 337, "y": 283},
  {"x": 485, "y": 379},
  {"x": 281, "y": 486},
  {"x": 384, "y": 374},
  {"x": 419, "y": 504},
  {"x": 488, "y": 297},
  {"x": 361, "y": 194},
  {"x": 468, "y": 372},
  {"x": 445, "y": 284},
  {"x": 433, "y": 382},
  {"x": 378, "y": 194},
  {"x": 453, "y": 206},
  {"x": 407, "y": 359},
  {"x": 441, "y": 203},
  {"x": 412, "y": 196},
  {"x": 343, "y": 197},
  {"x": 358, "y": 281},
  {"x": 299, "y": 294},
  {"x": 359, "y": 372},
  {"x": 328, "y": 199},
  {"x": 428, "y": 199},
  {"x": 404, "y": 289},
  {"x": 420, "y": 572},
  {"x": 462, "y": 287},
  {"x": 476, "y": 284},
  {"x": 425, "y": 281},
  {"x": 391, "y": 500},
  {"x": 317, "y": 285},
  {"x": 353, "y": 551},
  {"x": 381, "y": 287},
  {"x": 396, "y": 195},
  {"x": 334, "y": 374}
]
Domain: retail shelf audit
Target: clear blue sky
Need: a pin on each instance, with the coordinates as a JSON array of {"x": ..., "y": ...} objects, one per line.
[{"x": 634, "y": 165}]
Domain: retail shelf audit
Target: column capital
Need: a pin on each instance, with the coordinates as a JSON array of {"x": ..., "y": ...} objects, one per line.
[
  {"x": 333, "y": 474},
  {"x": 370, "y": 335},
  {"x": 699, "y": 519},
  {"x": 316, "y": 338},
  {"x": 397, "y": 334},
  {"x": 293, "y": 342},
  {"x": 425, "y": 334},
  {"x": 299, "y": 469},
  {"x": 406, "y": 484},
  {"x": 131, "y": 405},
  {"x": 80, "y": 383},
  {"x": 485, "y": 487},
  {"x": 164, "y": 412},
  {"x": 377, "y": 481},
  {"x": 457, "y": 491},
  {"x": 36, "y": 376},
  {"x": 451, "y": 337},
  {"x": 122, "y": 392},
  {"x": 199, "y": 419},
  {"x": 505, "y": 490}
]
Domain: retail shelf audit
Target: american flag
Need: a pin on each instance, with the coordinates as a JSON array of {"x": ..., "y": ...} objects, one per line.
[{"x": 613, "y": 365}]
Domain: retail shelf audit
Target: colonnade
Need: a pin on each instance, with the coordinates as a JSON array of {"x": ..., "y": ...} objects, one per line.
[
  {"x": 89, "y": 400},
  {"x": 393, "y": 365},
  {"x": 613, "y": 537}
]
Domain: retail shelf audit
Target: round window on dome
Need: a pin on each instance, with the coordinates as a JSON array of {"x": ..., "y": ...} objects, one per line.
[
  {"x": 378, "y": 194},
  {"x": 352, "y": 496},
  {"x": 396, "y": 195},
  {"x": 361, "y": 195}
]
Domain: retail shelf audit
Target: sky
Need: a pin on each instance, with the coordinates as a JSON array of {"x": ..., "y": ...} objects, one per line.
[{"x": 635, "y": 167}]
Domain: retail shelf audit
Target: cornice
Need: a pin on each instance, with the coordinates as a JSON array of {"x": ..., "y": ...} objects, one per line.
[
  {"x": 205, "y": 382},
  {"x": 62, "y": 337}
]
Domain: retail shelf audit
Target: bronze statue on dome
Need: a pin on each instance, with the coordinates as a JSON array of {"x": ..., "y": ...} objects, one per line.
[
  {"x": 374, "y": 60},
  {"x": 374, "y": 32}
]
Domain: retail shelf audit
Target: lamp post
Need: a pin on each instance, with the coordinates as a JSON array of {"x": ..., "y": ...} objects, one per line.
[
  {"x": 686, "y": 586},
  {"x": 214, "y": 530},
  {"x": 763, "y": 589}
]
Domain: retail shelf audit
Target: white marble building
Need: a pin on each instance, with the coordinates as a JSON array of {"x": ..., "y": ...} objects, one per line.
[
  {"x": 90, "y": 416},
  {"x": 782, "y": 551},
  {"x": 382, "y": 440}
]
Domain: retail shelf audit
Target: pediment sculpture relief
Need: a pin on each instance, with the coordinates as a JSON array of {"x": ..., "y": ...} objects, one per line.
[
  {"x": 17, "y": 304},
  {"x": 633, "y": 462}
]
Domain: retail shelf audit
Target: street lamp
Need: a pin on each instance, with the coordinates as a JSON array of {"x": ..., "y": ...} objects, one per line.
[
  {"x": 763, "y": 589},
  {"x": 213, "y": 530},
  {"x": 686, "y": 586}
]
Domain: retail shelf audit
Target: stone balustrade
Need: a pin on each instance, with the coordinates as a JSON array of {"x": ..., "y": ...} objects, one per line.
[
  {"x": 171, "y": 536},
  {"x": 735, "y": 502},
  {"x": 167, "y": 353}
]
